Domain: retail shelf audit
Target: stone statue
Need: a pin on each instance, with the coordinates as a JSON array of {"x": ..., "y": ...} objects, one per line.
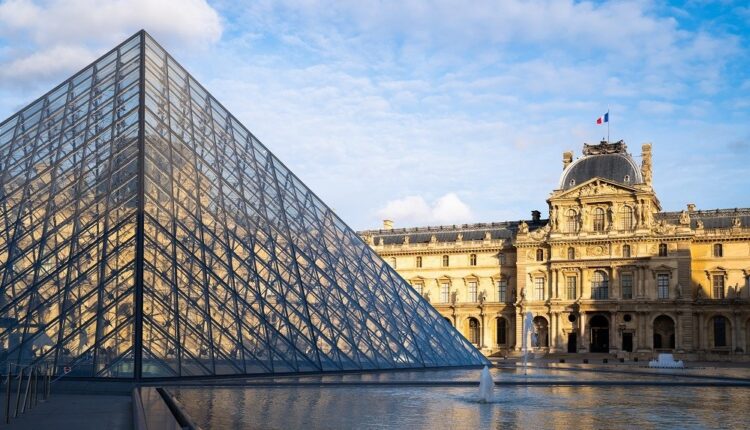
[
  {"x": 482, "y": 297},
  {"x": 679, "y": 290},
  {"x": 699, "y": 292},
  {"x": 736, "y": 222},
  {"x": 454, "y": 297},
  {"x": 406, "y": 239},
  {"x": 646, "y": 163},
  {"x": 684, "y": 218},
  {"x": 427, "y": 296},
  {"x": 554, "y": 218},
  {"x": 699, "y": 224},
  {"x": 611, "y": 217},
  {"x": 523, "y": 228},
  {"x": 638, "y": 209}
]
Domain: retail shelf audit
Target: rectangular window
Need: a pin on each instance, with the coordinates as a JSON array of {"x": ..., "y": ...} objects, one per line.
[
  {"x": 419, "y": 287},
  {"x": 571, "y": 287},
  {"x": 472, "y": 292},
  {"x": 502, "y": 259},
  {"x": 539, "y": 288},
  {"x": 662, "y": 286},
  {"x": 626, "y": 283},
  {"x": 444, "y": 292},
  {"x": 502, "y": 291},
  {"x": 718, "y": 282}
]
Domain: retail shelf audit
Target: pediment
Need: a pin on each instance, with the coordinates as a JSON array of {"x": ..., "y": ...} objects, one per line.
[{"x": 597, "y": 187}]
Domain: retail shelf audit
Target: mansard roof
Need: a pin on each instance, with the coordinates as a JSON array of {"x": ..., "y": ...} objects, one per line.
[
  {"x": 449, "y": 233},
  {"x": 711, "y": 218},
  {"x": 605, "y": 160}
]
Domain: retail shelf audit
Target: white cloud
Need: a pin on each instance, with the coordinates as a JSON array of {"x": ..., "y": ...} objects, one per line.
[
  {"x": 414, "y": 210},
  {"x": 47, "y": 63},
  {"x": 56, "y": 36}
]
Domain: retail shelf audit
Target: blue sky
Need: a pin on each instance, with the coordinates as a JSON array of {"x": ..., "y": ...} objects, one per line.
[{"x": 437, "y": 112}]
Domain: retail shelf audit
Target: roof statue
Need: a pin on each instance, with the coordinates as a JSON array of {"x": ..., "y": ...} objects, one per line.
[
  {"x": 605, "y": 147},
  {"x": 146, "y": 233}
]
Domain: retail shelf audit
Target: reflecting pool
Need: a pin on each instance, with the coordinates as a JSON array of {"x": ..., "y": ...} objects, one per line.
[{"x": 341, "y": 406}]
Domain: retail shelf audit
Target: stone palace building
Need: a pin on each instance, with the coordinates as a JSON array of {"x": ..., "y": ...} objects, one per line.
[{"x": 608, "y": 271}]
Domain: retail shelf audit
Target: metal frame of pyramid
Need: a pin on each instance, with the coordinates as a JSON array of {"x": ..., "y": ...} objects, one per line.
[{"x": 145, "y": 233}]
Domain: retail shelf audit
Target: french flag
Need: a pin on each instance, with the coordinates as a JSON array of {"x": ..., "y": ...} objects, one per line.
[{"x": 603, "y": 119}]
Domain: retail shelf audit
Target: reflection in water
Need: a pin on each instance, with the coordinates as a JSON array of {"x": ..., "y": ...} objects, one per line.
[{"x": 455, "y": 407}]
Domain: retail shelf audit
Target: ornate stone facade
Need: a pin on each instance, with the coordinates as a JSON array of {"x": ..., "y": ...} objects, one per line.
[{"x": 608, "y": 271}]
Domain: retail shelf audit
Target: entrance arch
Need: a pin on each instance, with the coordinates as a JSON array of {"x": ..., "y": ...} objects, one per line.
[
  {"x": 663, "y": 332},
  {"x": 540, "y": 337},
  {"x": 473, "y": 325},
  {"x": 599, "y": 327}
]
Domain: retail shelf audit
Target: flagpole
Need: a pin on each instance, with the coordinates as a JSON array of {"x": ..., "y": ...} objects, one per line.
[{"x": 608, "y": 121}]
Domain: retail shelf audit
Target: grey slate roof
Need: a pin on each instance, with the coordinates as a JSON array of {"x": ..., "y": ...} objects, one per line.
[
  {"x": 609, "y": 166},
  {"x": 449, "y": 233},
  {"x": 713, "y": 218}
]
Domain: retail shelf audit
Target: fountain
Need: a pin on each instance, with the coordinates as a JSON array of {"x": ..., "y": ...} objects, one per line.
[
  {"x": 666, "y": 361},
  {"x": 486, "y": 386},
  {"x": 528, "y": 329}
]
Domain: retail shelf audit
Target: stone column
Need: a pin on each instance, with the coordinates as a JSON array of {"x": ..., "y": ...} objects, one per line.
[
  {"x": 556, "y": 291},
  {"x": 736, "y": 331},
  {"x": 519, "y": 329},
  {"x": 613, "y": 332},
  {"x": 678, "y": 332},
  {"x": 552, "y": 332},
  {"x": 615, "y": 283},
  {"x": 583, "y": 343},
  {"x": 583, "y": 282}
]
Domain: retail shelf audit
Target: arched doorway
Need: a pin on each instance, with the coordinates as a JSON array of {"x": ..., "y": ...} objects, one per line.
[
  {"x": 663, "y": 332},
  {"x": 720, "y": 332},
  {"x": 502, "y": 331},
  {"x": 473, "y": 331},
  {"x": 599, "y": 325},
  {"x": 540, "y": 337}
]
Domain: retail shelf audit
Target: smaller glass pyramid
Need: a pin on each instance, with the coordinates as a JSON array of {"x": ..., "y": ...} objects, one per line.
[{"x": 145, "y": 233}]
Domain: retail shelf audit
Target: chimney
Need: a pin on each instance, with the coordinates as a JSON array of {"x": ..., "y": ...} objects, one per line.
[
  {"x": 646, "y": 163},
  {"x": 567, "y": 159},
  {"x": 536, "y": 216},
  {"x": 387, "y": 224}
]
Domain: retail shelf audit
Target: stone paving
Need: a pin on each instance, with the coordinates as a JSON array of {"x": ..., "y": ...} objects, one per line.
[{"x": 76, "y": 411}]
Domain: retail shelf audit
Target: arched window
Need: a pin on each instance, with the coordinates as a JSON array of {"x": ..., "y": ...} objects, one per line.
[
  {"x": 419, "y": 262},
  {"x": 718, "y": 250},
  {"x": 571, "y": 253},
  {"x": 393, "y": 262},
  {"x": 599, "y": 219},
  {"x": 446, "y": 261},
  {"x": 473, "y": 260},
  {"x": 720, "y": 331},
  {"x": 539, "y": 255},
  {"x": 662, "y": 250},
  {"x": 502, "y": 331},
  {"x": 572, "y": 221},
  {"x": 626, "y": 218},
  {"x": 474, "y": 331},
  {"x": 626, "y": 251},
  {"x": 599, "y": 286}
]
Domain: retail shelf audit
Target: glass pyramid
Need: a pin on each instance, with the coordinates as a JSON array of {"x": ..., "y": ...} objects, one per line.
[{"x": 145, "y": 233}]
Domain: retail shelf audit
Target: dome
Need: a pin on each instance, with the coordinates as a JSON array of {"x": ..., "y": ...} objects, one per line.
[{"x": 618, "y": 167}]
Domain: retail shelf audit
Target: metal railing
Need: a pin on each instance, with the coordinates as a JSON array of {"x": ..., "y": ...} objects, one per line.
[{"x": 30, "y": 390}]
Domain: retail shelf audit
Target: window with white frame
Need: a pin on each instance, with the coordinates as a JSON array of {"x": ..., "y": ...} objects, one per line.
[
  {"x": 502, "y": 291},
  {"x": 472, "y": 291},
  {"x": 662, "y": 286},
  {"x": 539, "y": 288},
  {"x": 444, "y": 292},
  {"x": 473, "y": 260},
  {"x": 718, "y": 284},
  {"x": 446, "y": 261},
  {"x": 626, "y": 284},
  {"x": 419, "y": 262},
  {"x": 718, "y": 250}
]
